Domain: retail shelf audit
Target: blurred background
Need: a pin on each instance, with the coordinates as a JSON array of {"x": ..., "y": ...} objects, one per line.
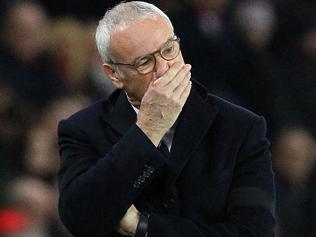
[{"x": 260, "y": 54}]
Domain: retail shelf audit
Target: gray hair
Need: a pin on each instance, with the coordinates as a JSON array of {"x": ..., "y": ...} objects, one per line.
[{"x": 123, "y": 14}]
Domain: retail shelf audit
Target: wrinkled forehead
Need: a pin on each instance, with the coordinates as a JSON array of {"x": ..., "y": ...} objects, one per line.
[{"x": 140, "y": 38}]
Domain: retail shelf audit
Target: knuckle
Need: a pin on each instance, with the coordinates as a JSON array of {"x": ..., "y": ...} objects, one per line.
[{"x": 177, "y": 103}]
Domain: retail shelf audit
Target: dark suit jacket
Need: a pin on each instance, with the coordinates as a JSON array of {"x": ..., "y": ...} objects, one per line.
[{"x": 218, "y": 181}]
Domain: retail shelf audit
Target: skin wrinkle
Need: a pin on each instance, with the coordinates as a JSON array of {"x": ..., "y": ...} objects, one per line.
[
  {"x": 127, "y": 45},
  {"x": 133, "y": 46}
]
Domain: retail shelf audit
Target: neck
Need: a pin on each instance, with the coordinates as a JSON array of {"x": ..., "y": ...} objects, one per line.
[{"x": 133, "y": 101}]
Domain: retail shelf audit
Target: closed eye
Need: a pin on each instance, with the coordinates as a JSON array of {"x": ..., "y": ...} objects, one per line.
[{"x": 143, "y": 61}]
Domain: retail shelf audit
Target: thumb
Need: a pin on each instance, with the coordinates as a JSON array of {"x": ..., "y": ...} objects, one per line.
[{"x": 155, "y": 79}]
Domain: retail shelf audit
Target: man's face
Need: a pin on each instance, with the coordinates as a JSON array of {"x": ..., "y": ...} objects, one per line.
[{"x": 136, "y": 40}]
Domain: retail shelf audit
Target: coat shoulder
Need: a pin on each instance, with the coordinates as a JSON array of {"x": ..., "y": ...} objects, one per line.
[
  {"x": 227, "y": 108},
  {"x": 93, "y": 112},
  {"x": 234, "y": 117}
]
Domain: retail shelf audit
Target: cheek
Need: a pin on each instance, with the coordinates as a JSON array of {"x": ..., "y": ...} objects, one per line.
[
  {"x": 144, "y": 82},
  {"x": 137, "y": 85}
]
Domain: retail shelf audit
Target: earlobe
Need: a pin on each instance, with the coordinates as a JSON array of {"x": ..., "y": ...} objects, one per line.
[{"x": 113, "y": 75}]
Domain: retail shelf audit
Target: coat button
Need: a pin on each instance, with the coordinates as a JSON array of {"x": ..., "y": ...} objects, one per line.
[
  {"x": 150, "y": 169},
  {"x": 141, "y": 179},
  {"x": 136, "y": 184},
  {"x": 146, "y": 174}
]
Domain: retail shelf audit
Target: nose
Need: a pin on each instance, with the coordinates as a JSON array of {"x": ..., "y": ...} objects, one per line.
[{"x": 161, "y": 66}]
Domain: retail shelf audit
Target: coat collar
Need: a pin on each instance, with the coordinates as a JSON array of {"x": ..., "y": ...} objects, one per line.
[
  {"x": 196, "y": 118},
  {"x": 121, "y": 116}
]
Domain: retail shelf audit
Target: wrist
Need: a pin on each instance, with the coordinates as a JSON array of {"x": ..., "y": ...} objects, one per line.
[{"x": 154, "y": 136}]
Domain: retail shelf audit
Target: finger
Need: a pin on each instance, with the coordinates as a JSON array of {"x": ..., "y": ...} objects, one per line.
[
  {"x": 182, "y": 86},
  {"x": 170, "y": 74},
  {"x": 186, "y": 92},
  {"x": 153, "y": 79},
  {"x": 178, "y": 79}
]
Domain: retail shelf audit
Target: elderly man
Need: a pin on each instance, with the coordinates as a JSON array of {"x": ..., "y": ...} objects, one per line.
[{"x": 161, "y": 156}]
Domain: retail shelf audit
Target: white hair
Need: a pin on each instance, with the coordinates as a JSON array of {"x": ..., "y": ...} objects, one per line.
[{"x": 123, "y": 14}]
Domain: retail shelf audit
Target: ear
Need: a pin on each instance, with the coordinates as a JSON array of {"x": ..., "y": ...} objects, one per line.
[{"x": 113, "y": 75}]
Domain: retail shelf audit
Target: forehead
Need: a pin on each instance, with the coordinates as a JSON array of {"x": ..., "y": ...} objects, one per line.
[{"x": 140, "y": 38}]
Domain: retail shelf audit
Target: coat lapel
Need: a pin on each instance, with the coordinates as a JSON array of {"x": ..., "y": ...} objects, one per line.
[
  {"x": 194, "y": 121},
  {"x": 122, "y": 116},
  {"x": 196, "y": 118}
]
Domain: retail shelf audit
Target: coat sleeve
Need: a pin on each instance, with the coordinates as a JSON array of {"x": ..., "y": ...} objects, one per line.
[
  {"x": 250, "y": 210},
  {"x": 95, "y": 192}
]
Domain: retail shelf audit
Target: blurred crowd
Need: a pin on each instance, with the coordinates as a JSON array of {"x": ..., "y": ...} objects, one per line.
[{"x": 260, "y": 54}]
